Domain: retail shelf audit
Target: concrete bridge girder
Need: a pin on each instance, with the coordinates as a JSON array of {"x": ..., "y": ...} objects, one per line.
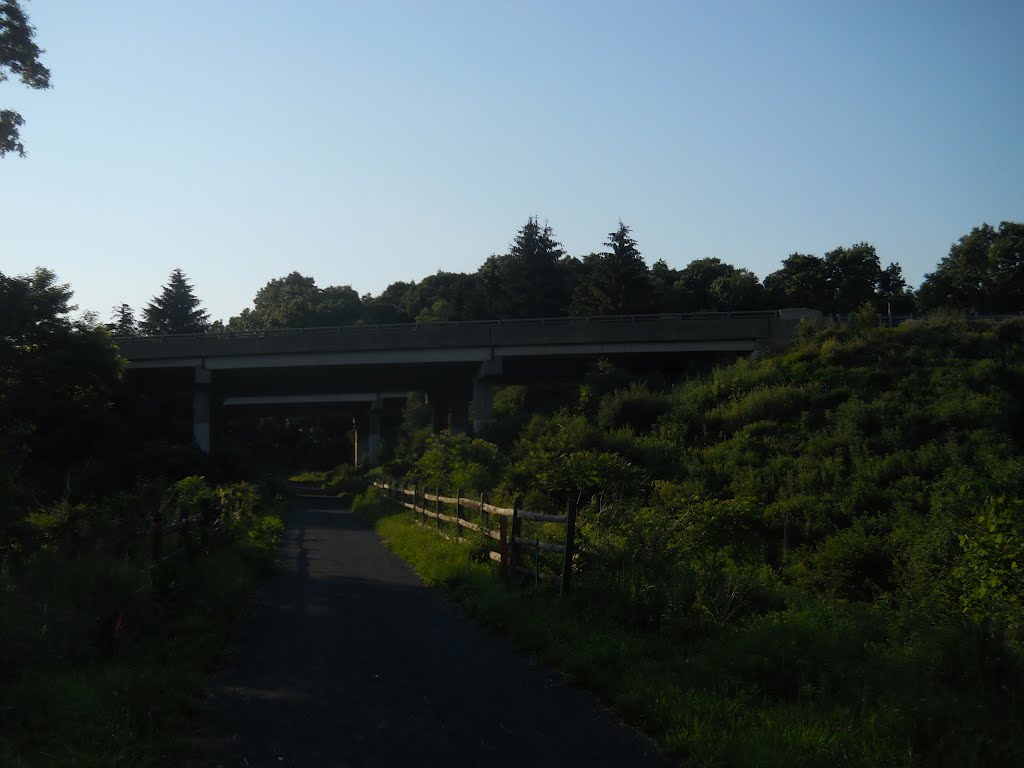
[{"x": 357, "y": 366}]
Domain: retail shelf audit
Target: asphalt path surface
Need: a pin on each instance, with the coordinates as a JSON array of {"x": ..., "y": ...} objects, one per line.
[{"x": 348, "y": 660}]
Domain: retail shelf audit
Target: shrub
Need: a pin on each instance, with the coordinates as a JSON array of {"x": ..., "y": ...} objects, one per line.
[
  {"x": 636, "y": 407},
  {"x": 238, "y": 501},
  {"x": 992, "y": 572},
  {"x": 453, "y": 461}
]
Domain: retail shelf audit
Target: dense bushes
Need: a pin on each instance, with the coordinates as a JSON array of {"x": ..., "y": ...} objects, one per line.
[
  {"x": 833, "y": 535},
  {"x": 104, "y": 639}
]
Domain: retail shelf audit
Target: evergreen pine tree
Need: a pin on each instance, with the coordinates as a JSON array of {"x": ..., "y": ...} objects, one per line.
[
  {"x": 616, "y": 282},
  {"x": 122, "y": 321},
  {"x": 175, "y": 310},
  {"x": 530, "y": 280}
]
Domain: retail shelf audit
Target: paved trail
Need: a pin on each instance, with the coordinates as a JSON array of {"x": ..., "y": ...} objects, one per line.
[{"x": 347, "y": 660}]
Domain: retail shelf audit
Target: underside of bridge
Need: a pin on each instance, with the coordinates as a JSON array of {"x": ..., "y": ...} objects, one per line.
[
  {"x": 361, "y": 376},
  {"x": 364, "y": 403}
]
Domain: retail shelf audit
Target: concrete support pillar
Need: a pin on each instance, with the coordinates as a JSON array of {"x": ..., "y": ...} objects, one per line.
[
  {"x": 483, "y": 392},
  {"x": 360, "y": 438},
  {"x": 483, "y": 404},
  {"x": 367, "y": 427},
  {"x": 201, "y": 408},
  {"x": 376, "y": 423}
]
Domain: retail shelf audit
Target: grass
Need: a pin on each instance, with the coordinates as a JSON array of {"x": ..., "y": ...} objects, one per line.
[
  {"x": 805, "y": 686},
  {"x": 108, "y": 665},
  {"x": 309, "y": 476},
  {"x": 342, "y": 481}
]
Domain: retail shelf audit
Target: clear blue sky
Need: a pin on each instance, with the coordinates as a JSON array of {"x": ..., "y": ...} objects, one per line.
[{"x": 367, "y": 142}]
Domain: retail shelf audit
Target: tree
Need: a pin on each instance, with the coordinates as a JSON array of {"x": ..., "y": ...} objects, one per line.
[
  {"x": 175, "y": 310},
  {"x": 295, "y": 301},
  {"x": 893, "y": 293},
  {"x": 57, "y": 376},
  {"x": 285, "y": 302},
  {"x": 799, "y": 283},
  {"x": 984, "y": 272},
  {"x": 664, "y": 281},
  {"x": 378, "y": 311},
  {"x": 438, "y": 312},
  {"x": 737, "y": 291},
  {"x": 852, "y": 276},
  {"x": 530, "y": 280},
  {"x": 122, "y": 321},
  {"x": 614, "y": 282},
  {"x": 32, "y": 306},
  {"x": 695, "y": 281},
  {"x": 19, "y": 56},
  {"x": 338, "y": 305},
  {"x": 461, "y": 295}
]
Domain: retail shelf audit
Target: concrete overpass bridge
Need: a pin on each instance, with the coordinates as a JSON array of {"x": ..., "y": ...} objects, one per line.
[{"x": 455, "y": 363}]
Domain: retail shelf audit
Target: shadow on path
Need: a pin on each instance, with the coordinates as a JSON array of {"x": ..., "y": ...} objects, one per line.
[{"x": 346, "y": 659}]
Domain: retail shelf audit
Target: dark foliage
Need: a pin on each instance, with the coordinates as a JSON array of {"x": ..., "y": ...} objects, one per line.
[
  {"x": 175, "y": 310},
  {"x": 19, "y": 56}
]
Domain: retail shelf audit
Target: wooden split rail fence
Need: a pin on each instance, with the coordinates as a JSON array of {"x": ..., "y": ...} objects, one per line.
[{"x": 512, "y": 546}]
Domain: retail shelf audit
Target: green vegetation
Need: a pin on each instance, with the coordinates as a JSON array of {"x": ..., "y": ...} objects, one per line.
[
  {"x": 810, "y": 558},
  {"x": 175, "y": 310},
  {"x": 984, "y": 272},
  {"x": 122, "y": 567},
  {"x": 19, "y": 56},
  {"x": 342, "y": 481},
  {"x": 104, "y": 649}
]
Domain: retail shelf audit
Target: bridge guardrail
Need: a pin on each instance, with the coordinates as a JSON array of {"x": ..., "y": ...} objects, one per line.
[
  {"x": 516, "y": 322},
  {"x": 773, "y": 314}
]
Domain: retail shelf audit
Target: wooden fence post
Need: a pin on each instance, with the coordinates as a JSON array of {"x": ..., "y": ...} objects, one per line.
[
  {"x": 437, "y": 507},
  {"x": 515, "y": 528},
  {"x": 458, "y": 514},
  {"x": 536, "y": 562},
  {"x": 484, "y": 514},
  {"x": 503, "y": 548},
  {"x": 570, "y": 539}
]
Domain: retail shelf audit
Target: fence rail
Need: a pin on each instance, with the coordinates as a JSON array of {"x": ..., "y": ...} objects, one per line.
[{"x": 513, "y": 546}]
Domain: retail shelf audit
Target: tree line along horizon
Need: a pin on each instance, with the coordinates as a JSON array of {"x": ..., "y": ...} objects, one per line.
[{"x": 983, "y": 272}]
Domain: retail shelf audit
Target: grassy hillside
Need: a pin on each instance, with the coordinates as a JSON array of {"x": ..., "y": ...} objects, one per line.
[{"x": 815, "y": 557}]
